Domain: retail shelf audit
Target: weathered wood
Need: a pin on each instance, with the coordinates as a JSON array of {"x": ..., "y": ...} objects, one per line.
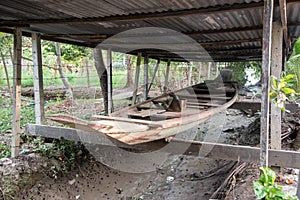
[
  {"x": 209, "y": 70},
  {"x": 176, "y": 146},
  {"x": 109, "y": 81},
  {"x": 134, "y": 121},
  {"x": 154, "y": 74},
  {"x": 167, "y": 76},
  {"x": 38, "y": 78},
  {"x": 276, "y": 68},
  {"x": 266, "y": 47},
  {"x": 146, "y": 77},
  {"x": 136, "y": 78},
  {"x": 17, "y": 75},
  {"x": 203, "y": 96},
  {"x": 282, "y": 8},
  {"x": 190, "y": 73}
]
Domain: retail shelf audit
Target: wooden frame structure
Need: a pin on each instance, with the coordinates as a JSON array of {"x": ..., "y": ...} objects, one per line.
[{"x": 220, "y": 49}]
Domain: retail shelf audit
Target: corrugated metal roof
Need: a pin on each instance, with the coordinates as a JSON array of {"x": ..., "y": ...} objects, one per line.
[{"x": 216, "y": 30}]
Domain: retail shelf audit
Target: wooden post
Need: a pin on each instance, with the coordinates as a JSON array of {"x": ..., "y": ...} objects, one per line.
[
  {"x": 146, "y": 77},
  {"x": 17, "y": 75},
  {"x": 136, "y": 78},
  {"x": 109, "y": 81},
  {"x": 190, "y": 73},
  {"x": 266, "y": 51},
  {"x": 154, "y": 74},
  {"x": 38, "y": 78},
  {"x": 167, "y": 76},
  {"x": 276, "y": 68},
  {"x": 208, "y": 70}
]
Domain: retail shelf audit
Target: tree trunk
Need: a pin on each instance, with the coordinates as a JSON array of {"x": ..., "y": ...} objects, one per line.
[
  {"x": 102, "y": 73},
  {"x": 65, "y": 81},
  {"x": 6, "y": 74},
  {"x": 129, "y": 61}
]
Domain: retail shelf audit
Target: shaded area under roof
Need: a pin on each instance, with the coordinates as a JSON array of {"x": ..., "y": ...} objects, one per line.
[{"x": 228, "y": 30}]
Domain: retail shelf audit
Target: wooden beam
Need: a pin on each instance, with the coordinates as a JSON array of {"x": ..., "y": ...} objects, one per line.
[
  {"x": 146, "y": 77},
  {"x": 109, "y": 80},
  {"x": 136, "y": 78},
  {"x": 266, "y": 63},
  {"x": 276, "y": 68},
  {"x": 154, "y": 74},
  {"x": 17, "y": 75},
  {"x": 166, "y": 83},
  {"x": 282, "y": 8},
  {"x": 38, "y": 78},
  {"x": 176, "y": 146}
]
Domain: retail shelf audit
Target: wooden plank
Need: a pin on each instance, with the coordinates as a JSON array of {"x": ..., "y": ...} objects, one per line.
[
  {"x": 276, "y": 68},
  {"x": 134, "y": 121},
  {"x": 176, "y": 146},
  {"x": 38, "y": 78},
  {"x": 266, "y": 47},
  {"x": 146, "y": 77},
  {"x": 17, "y": 75},
  {"x": 109, "y": 81},
  {"x": 154, "y": 74},
  {"x": 204, "y": 96},
  {"x": 144, "y": 113},
  {"x": 136, "y": 78},
  {"x": 167, "y": 76}
]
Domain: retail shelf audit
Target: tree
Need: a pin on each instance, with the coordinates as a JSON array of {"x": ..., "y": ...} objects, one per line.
[
  {"x": 62, "y": 74},
  {"x": 129, "y": 66},
  {"x": 102, "y": 73}
]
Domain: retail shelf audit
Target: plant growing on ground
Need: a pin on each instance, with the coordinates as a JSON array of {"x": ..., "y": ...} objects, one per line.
[
  {"x": 282, "y": 90},
  {"x": 265, "y": 187}
]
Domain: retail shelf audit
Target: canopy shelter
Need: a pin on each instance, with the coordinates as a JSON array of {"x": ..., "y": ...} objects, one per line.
[{"x": 231, "y": 30}]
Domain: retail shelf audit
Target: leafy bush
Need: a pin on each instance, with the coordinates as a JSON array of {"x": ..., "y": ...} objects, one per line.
[
  {"x": 265, "y": 187},
  {"x": 282, "y": 90}
]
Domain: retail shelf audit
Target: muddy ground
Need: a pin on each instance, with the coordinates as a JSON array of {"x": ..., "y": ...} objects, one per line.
[{"x": 178, "y": 177}]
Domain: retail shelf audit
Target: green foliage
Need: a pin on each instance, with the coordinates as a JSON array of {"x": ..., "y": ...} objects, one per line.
[
  {"x": 265, "y": 187},
  {"x": 240, "y": 73},
  {"x": 293, "y": 65},
  {"x": 282, "y": 90}
]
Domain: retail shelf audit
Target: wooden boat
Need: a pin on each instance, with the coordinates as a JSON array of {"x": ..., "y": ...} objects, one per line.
[{"x": 159, "y": 117}]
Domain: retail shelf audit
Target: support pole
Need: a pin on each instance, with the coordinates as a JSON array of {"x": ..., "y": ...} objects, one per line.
[
  {"x": 136, "y": 78},
  {"x": 17, "y": 75},
  {"x": 38, "y": 78},
  {"x": 146, "y": 77},
  {"x": 190, "y": 73},
  {"x": 154, "y": 74},
  {"x": 109, "y": 81},
  {"x": 276, "y": 68},
  {"x": 266, "y": 51},
  {"x": 167, "y": 76},
  {"x": 208, "y": 70}
]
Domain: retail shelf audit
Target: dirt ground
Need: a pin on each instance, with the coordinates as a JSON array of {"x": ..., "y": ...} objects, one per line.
[{"x": 179, "y": 177}]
